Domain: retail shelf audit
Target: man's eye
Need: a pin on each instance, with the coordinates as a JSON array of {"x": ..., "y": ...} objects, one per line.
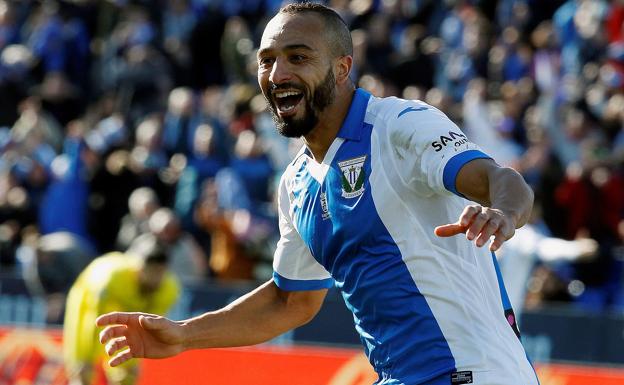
[
  {"x": 267, "y": 61},
  {"x": 297, "y": 58}
]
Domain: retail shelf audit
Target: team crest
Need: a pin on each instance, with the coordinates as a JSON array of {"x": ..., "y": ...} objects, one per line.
[{"x": 353, "y": 176}]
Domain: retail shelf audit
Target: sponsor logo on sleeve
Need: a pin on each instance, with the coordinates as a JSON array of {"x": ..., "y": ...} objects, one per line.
[{"x": 456, "y": 138}]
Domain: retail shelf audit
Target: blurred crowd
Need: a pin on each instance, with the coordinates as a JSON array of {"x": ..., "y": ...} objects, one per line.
[{"x": 124, "y": 119}]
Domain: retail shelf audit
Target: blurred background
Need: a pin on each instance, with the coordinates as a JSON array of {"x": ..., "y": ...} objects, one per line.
[{"x": 121, "y": 120}]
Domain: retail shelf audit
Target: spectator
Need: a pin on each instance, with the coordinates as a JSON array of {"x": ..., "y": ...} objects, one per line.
[
  {"x": 9, "y": 31},
  {"x": 178, "y": 22},
  {"x": 16, "y": 63},
  {"x": 36, "y": 126},
  {"x": 45, "y": 37},
  {"x": 186, "y": 258},
  {"x": 60, "y": 98},
  {"x": 142, "y": 203},
  {"x": 147, "y": 153},
  {"x": 230, "y": 258},
  {"x": 65, "y": 204},
  {"x": 180, "y": 122},
  {"x": 253, "y": 167},
  {"x": 532, "y": 246},
  {"x": 53, "y": 266},
  {"x": 235, "y": 48},
  {"x": 202, "y": 165},
  {"x": 479, "y": 121}
]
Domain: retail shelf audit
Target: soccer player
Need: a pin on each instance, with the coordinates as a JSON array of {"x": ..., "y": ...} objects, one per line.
[
  {"x": 358, "y": 209},
  {"x": 113, "y": 282}
]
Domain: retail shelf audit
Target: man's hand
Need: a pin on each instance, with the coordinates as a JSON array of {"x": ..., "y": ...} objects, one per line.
[
  {"x": 506, "y": 201},
  {"x": 480, "y": 224},
  {"x": 139, "y": 335},
  {"x": 256, "y": 317}
]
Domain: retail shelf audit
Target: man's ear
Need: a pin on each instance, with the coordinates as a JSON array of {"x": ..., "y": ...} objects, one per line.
[{"x": 343, "y": 68}]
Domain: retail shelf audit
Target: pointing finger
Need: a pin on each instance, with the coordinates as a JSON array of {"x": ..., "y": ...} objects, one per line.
[{"x": 449, "y": 230}]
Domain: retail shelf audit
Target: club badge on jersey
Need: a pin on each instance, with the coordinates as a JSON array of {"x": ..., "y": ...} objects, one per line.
[{"x": 353, "y": 176}]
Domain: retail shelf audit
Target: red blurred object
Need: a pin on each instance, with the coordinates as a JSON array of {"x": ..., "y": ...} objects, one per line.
[
  {"x": 59, "y": 378},
  {"x": 575, "y": 197},
  {"x": 591, "y": 207},
  {"x": 615, "y": 23},
  {"x": 99, "y": 376},
  {"x": 28, "y": 370},
  {"x": 579, "y": 375}
]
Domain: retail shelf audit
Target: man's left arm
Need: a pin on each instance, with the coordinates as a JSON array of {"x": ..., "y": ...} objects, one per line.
[{"x": 504, "y": 203}]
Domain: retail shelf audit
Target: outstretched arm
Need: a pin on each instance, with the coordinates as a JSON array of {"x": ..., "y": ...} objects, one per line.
[
  {"x": 505, "y": 203},
  {"x": 256, "y": 317}
]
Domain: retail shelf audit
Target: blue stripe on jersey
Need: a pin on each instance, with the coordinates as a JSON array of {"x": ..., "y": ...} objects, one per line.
[
  {"x": 400, "y": 334},
  {"x": 301, "y": 285},
  {"x": 455, "y": 164},
  {"x": 411, "y": 109},
  {"x": 501, "y": 284},
  {"x": 351, "y": 127}
]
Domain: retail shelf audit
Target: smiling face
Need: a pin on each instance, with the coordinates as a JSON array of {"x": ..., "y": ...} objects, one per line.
[{"x": 295, "y": 72}]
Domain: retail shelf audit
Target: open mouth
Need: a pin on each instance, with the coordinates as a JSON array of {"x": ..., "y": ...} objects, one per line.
[{"x": 286, "y": 101}]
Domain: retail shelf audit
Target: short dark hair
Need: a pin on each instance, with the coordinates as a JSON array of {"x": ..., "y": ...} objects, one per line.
[
  {"x": 158, "y": 255},
  {"x": 340, "y": 36},
  {"x": 151, "y": 250}
]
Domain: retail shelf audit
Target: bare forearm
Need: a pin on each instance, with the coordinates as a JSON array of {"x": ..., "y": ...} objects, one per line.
[
  {"x": 506, "y": 199},
  {"x": 256, "y": 317},
  {"x": 510, "y": 194}
]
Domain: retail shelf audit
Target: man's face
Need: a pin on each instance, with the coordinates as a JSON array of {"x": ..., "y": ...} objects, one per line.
[
  {"x": 295, "y": 72},
  {"x": 151, "y": 276}
]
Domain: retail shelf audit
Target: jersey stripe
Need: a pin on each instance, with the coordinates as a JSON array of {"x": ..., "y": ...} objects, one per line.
[
  {"x": 455, "y": 164},
  {"x": 301, "y": 285}
]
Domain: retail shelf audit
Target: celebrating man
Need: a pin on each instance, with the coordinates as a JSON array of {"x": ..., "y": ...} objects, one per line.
[{"x": 358, "y": 209}]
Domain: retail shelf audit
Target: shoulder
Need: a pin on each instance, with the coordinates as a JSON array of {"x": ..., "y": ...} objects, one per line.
[
  {"x": 401, "y": 114},
  {"x": 293, "y": 167},
  {"x": 110, "y": 272},
  {"x": 408, "y": 122},
  {"x": 108, "y": 263},
  {"x": 387, "y": 107}
]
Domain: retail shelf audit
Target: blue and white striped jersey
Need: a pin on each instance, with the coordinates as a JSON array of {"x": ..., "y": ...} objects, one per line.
[{"x": 363, "y": 220}]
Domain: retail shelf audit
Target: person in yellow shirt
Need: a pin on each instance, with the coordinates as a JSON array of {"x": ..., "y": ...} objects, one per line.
[{"x": 113, "y": 282}]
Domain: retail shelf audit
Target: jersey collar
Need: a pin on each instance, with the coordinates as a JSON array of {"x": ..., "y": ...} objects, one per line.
[{"x": 352, "y": 126}]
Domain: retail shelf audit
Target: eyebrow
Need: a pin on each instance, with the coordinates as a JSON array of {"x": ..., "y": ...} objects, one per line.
[{"x": 290, "y": 47}]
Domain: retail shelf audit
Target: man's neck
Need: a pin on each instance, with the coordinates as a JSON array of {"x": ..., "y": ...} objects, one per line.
[{"x": 330, "y": 122}]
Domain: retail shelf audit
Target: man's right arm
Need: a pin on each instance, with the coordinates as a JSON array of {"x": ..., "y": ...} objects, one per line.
[{"x": 256, "y": 317}]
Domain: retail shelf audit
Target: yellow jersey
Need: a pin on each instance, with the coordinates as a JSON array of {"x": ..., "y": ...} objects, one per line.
[{"x": 109, "y": 283}]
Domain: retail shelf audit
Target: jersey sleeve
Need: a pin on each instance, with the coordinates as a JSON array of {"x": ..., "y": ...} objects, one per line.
[
  {"x": 429, "y": 148},
  {"x": 294, "y": 267}
]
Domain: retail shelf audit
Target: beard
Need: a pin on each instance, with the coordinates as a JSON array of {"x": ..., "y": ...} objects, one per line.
[{"x": 315, "y": 103}]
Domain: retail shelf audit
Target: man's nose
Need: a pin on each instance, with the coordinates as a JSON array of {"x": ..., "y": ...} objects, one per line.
[{"x": 280, "y": 72}]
